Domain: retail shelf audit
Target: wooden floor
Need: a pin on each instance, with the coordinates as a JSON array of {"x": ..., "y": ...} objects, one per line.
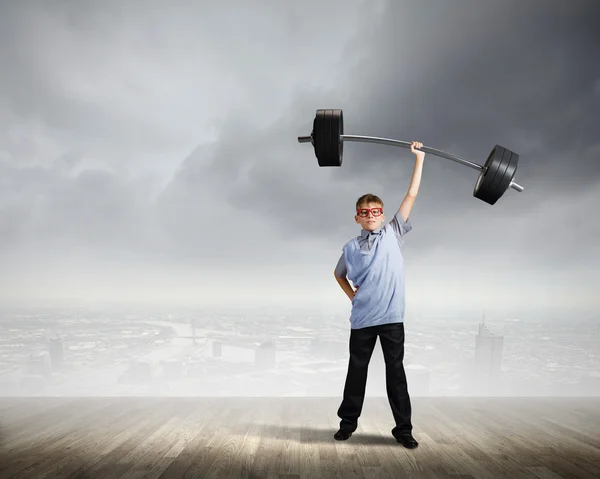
[{"x": 293, "y": 438}]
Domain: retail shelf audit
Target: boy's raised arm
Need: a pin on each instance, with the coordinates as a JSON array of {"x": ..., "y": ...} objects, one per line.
[{"x": 415, "y": 181}]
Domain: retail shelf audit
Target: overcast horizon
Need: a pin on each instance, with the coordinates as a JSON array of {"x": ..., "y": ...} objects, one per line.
[{"x": 150, "y": 155}]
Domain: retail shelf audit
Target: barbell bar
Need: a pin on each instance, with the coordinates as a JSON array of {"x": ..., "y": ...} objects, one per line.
[{"x": 495, "y": 177}]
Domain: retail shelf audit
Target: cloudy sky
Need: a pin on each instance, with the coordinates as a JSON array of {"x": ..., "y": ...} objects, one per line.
[{"x": 149, "y": 153}]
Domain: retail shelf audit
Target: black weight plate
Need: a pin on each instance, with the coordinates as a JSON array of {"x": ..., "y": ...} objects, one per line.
[
  {"x": 321, "y": 137},
  {"x": 489, "y": 196},
  {"x": 334, "y": 118},
  {"x": 328, "y": 145},
  {"x": 329, "y": 128},
  {"x": 501, "y": 179},
  {"x": 340, "y": 116},
  {"x": 315, "y": 133},
  {"x": 506, "y": 157},
  {"x": 483, "y": 187},
  {"x": 486, "y": 195},
  {"x": 492, "y": 166},
  {"x": 509, "y": 173}
]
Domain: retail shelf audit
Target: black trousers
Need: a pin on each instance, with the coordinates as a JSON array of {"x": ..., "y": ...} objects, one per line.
[{"x": 362, "y": 344}]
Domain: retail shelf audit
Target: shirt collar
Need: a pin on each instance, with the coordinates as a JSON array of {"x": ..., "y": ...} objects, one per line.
[{"x": 365, "y": 233}]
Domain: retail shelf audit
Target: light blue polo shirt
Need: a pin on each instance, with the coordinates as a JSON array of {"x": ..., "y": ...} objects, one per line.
[{"x": 375, "y": 262}]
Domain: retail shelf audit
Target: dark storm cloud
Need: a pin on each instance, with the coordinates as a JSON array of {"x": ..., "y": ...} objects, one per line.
[{"x": 520, "y": 74}]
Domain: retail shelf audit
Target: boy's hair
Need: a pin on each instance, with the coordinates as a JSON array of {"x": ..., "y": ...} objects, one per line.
[{"x": 368, "y": 198}]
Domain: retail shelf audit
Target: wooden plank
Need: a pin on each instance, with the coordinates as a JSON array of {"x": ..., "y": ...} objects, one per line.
[{"x": 293, "y": 438}]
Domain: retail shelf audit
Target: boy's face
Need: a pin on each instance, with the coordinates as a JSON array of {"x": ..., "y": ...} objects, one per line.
[{"x": 370, "y": 216}]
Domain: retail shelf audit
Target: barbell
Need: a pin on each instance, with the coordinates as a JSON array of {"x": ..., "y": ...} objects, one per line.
[{"x": 495, "y": 177}]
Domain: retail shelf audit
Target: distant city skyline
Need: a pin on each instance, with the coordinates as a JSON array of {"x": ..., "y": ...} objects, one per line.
[{"x": 298, "y": 352}]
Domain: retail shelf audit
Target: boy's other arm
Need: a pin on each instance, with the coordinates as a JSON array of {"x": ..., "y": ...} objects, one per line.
[
  {"x": 340, "y": 276},
  {"x": 415, "y": 182}
]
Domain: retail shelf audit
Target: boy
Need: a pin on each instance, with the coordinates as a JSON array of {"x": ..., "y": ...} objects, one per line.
[{"x": 374, "y": 263}]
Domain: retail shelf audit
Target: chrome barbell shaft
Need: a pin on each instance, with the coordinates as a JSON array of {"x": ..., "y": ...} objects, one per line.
[{"x": 406, "y": 144}]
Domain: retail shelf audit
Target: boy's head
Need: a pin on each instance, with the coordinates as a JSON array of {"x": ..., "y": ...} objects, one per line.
[{"x": 369, "y": 212}]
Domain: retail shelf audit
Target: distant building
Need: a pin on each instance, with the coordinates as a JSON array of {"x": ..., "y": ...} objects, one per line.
[
  {"x": 38, "y": 364},
  {"x": 488, "y": 353},
  {"x": 55, "y": 348},
  {"x": 264, "y": 355},
  {"x": 217, "y": 350},
  {"x": 488, "y": 359}
]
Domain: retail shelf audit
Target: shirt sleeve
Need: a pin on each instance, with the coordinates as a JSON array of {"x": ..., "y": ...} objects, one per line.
[
  {"x": 340, "y": 269},
  {"x": 400, "y": 226}
]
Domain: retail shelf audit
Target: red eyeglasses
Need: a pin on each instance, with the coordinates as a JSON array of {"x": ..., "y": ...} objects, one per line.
[{"x": 364, "y": 212}]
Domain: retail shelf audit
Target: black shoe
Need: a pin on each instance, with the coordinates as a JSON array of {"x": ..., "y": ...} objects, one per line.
[
  {"x": 407, "y": 440},
  {"x": 342, "y": 435}
]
